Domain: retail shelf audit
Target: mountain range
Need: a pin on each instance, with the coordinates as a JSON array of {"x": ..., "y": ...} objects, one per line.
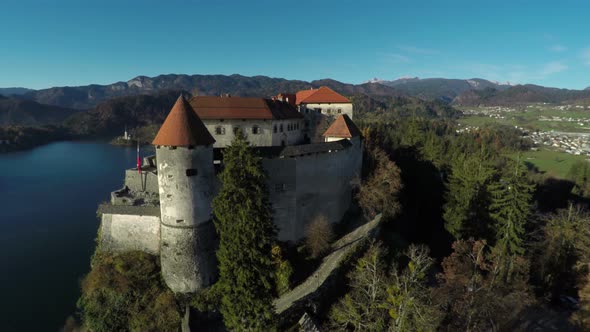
[{"x": 145, "y": 100}]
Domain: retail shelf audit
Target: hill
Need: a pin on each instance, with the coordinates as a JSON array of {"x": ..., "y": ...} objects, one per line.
[
  {"x": 16, "y": 111},
  {"x": 519, "y": 94},
  {"x": 439, "y": 88},
  {"x": 14, "y": 91}
]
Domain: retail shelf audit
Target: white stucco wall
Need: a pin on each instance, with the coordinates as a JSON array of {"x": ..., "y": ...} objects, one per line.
[
  {"x": 333, "y": 109},
  {"x": 266, "y": 135}
]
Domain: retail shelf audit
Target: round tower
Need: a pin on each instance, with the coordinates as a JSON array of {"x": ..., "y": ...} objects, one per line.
[{"x": 184, "y": 154}]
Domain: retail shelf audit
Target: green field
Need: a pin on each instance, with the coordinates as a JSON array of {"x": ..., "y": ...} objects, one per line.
[
  {"x": 529, "y": 117},
  {"x": 551, "y": 162}
]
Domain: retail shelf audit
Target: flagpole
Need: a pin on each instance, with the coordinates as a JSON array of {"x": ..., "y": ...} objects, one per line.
[{"x": 138, "y": 159}]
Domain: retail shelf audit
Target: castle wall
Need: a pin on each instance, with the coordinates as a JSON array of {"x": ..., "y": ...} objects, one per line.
[
  {"x": 312, "y": 185},
  {"x": 265, "y": 137},
  {"x": 333, "y": 109},
  {"x": 127, "y": 232},
  {"x": 146, "y": 181}
]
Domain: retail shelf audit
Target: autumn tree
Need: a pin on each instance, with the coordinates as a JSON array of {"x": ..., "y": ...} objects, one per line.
[
  {"x": 379, "y": 192},
  {"x": 247, "y": 233},
  {"x": 318, "y": 236},
  {"x": 471, "y": 294}
]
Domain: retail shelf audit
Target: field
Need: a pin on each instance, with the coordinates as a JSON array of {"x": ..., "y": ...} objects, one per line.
[
  {"x": 554, "y": 163},
  {"x": 567, "y": 118}
]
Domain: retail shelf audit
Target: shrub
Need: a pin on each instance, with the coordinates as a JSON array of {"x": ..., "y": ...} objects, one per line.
[{"x": 319, "y": 235}]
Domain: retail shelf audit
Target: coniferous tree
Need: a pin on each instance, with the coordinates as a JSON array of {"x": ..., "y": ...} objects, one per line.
[
  {"x": 466, "y": 209},
  {"x": 510, "y": 208},
  {"x": 246, "y": 235}
]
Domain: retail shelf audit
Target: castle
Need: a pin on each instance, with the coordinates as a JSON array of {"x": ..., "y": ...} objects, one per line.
[{"x": 164, "y": 207}]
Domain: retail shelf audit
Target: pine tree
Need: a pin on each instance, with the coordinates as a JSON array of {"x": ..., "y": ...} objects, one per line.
[
  {"x": 467, "y": 197},
  {"x": 246, "y": 235},
  {"x": 510, "y": 208}
]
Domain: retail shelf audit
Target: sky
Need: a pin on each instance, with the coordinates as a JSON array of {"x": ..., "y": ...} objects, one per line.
[{"x": 47, "y": 43}]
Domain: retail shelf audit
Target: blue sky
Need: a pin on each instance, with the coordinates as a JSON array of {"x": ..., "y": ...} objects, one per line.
[{"x": 47, "y": 43}]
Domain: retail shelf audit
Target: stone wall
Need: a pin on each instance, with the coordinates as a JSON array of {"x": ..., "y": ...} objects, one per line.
[
  {"x": 305, "y": 187},
  {"x": 127, "y": 232},
  {"x": 146, "y": 181}
]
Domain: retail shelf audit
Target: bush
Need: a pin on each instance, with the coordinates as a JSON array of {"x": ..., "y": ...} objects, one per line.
[{"x": 319, "y": 235}]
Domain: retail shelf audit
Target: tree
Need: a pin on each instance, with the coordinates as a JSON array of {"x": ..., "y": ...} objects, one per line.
[
  {"x": 396, "y": 301},
  {"x": 510, "y": 209},
  {"x": 379, "y": 193},
  {"x": 246, "y": 231},
  {"x": 283, "y": 271},
  {"x": 466, "y": 209},
  {"x": 362, "y": 308},
  {"x": 562, "y": 249},
  {"x": 579, "y": 174},
  {"x": 318, "y": 236},
  {"x": 409, "y": 301},
  {"x": 469, "y": 290}
]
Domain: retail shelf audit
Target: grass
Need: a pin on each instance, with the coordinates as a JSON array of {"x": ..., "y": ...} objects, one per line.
[{"x": 551, "y": 162}]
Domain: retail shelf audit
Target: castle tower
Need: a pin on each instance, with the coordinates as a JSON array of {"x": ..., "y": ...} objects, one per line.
[{"x": 184, "y": 154}]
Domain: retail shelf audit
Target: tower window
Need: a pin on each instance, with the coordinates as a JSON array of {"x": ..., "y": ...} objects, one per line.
[
  {"x": 219, "y": 130},
  {"x": 191, "y": 172}
]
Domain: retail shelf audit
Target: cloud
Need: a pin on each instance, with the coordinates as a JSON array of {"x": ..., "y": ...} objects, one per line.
[
  {"x": 398, "y": 57},
  {"x": 552, "y": 68},
  {"x": 558, "y": 48},
  {"x": 417, "y": 50}
]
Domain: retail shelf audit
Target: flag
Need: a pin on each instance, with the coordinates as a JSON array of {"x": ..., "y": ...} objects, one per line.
[{"x": 138, "y": 159}]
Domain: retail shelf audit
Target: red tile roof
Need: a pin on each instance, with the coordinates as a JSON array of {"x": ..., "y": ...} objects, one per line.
[
  {"x": 183, "y": 127},
  {"x": 243, "y": 108},
  {"x": 321, "y": 95},
  {"x": 342, "y": 127}
]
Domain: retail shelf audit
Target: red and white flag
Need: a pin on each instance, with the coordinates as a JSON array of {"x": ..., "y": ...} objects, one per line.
[{"x": 138, "y": 159}]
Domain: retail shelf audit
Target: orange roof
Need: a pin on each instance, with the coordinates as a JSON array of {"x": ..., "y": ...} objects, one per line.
[
  {"x": 342, "y": 127},
  {"x": 183, "y": 127},
  {"x": 243, "y": 108},
  {"x": 321, "y": 95}
]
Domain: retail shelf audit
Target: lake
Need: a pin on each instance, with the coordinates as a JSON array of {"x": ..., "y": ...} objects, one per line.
[{"x": 48, "y": 223}]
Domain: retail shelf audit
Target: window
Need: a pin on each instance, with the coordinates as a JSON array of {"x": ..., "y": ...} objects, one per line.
[
  {"x": 279, "y": 187},
  {"x": 329, "y": 111},
  {"x": 191, "y": 172},
  {"x": 339, "y": 110},
  {"x": 281, "y": 128},
  {"x": 255, "y": 130},
  {"x": 275, "y": 129},
  {"x": 219, "y": 130},
  {"x": 288, "y": 127},
  {"x": 237, "y": 130}
]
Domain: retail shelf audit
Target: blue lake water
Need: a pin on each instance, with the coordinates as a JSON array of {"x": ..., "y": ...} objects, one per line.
[{"x": 48, "y": 223}]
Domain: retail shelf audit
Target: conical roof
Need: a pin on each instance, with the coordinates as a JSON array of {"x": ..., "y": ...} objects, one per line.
[
  {"x": 342, "y": 127},
  {"x": 183, "y": 127}
]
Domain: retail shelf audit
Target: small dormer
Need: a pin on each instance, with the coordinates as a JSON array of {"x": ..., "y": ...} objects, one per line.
[{"x": 341, "y": 128}]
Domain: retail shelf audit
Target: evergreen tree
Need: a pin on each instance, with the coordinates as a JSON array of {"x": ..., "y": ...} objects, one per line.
[
  {"x": 579, "y": 174},
  {"x": 510, "y": 208},
  {"x": 246, "y": 235},
  {"x": 466, "y": 209}
]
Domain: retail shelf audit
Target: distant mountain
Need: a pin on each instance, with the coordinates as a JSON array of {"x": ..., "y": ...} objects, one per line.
[
  {"x": 519, "y": 94},
  {"x": 439, "y": 88},
  {"x": 111, "y": 117},
  {"x": 587, "y": 88},
  {"x": 14, "y": 91},
  {"x": 87, "y": 97},
  {"x": 16, "y": 111}
]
